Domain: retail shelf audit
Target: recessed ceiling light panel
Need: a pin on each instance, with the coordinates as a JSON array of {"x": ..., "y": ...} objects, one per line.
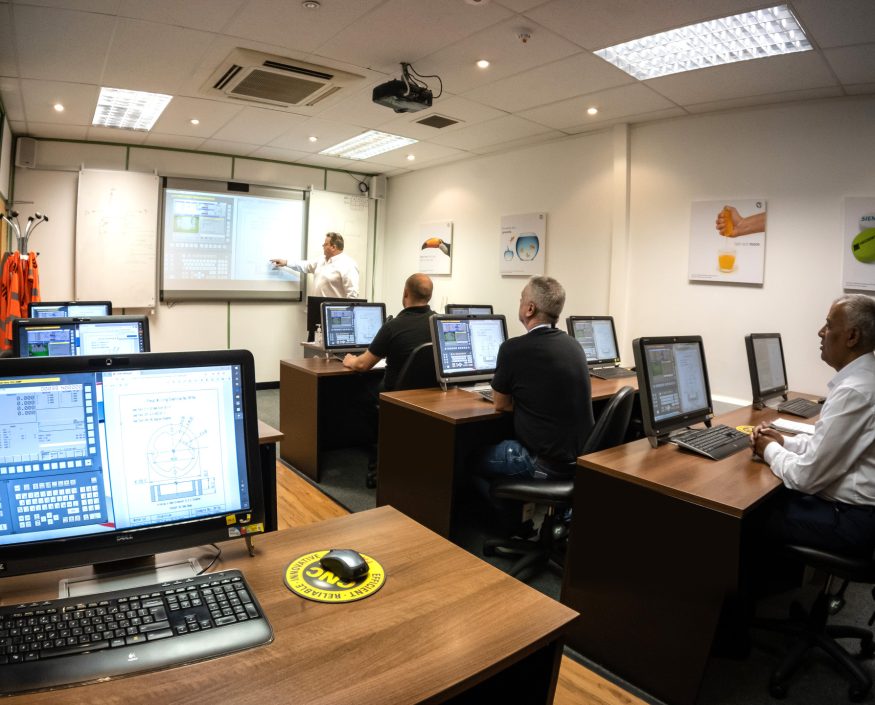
[
  {"x": 751, "y": 35},
  {"x": 368, "y": 144},
  {"x": 129, "y": 110}
]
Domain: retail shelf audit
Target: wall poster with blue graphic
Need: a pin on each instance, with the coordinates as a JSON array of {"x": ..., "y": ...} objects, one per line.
[{"x": 522, "y": 246}]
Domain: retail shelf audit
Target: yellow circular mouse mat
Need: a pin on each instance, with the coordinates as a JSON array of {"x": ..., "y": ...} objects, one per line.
[
  {"x": 306, "y": 577},
  {"x": 745, "y": 429}
]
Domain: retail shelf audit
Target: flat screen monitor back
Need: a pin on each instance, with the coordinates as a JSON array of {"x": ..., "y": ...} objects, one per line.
[
  {"x": 765, "y": 362},
  {"x": 68, "y": 309},
  {"x": 468, "y": 309}
]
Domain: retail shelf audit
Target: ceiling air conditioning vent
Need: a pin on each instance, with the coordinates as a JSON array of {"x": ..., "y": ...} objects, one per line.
[
  {"x": 276, "y": 80},
  {"x": 437, "y": 121}
]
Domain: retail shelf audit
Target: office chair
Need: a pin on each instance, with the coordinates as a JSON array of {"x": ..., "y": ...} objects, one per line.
[
  {"x": 417, "y": 372},
  {"x": 812, "y": 629},
  {"x": 609, "y": 430}
]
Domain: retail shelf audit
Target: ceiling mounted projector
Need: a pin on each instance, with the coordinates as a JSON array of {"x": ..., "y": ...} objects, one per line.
[{"x": 405, "y": 95}]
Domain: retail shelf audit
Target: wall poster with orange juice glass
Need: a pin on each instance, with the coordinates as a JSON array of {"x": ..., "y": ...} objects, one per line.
[{"x": 728, "y": 241}]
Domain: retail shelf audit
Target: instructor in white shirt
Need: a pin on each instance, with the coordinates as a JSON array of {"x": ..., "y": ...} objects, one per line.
[
  {"x": 336, "y": 275},
  {"x": 832, "y": 473}
]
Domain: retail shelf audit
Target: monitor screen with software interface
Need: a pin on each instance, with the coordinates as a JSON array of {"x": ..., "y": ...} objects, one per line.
[
  {"x": 468, "y": 309},
  {"x": 68, "y": 309},
  {"x": 122, "y": 457},
  {"x": 102, "y": 335},
  {"x": 466, "y": 347},
  {"x": 765, "y": 360},
  {"x": 672, "y": 382},
  {"x": 597, "y": 337},
  {"x": 350, "y": 327}
]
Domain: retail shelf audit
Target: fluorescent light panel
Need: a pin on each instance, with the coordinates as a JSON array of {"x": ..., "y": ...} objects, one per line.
[
  {"x": 368, "y": 144},
  {"x": 750, "y": 35},
  {"x": 130, "y": 110}
]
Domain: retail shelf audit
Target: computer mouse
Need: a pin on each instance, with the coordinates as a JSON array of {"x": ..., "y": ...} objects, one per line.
[{"x": 345, "y": 563}]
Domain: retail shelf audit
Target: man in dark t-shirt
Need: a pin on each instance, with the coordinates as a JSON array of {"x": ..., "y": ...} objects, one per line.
[
  {"x": 542, "y": 378},
  {"x": 398, "y": 336}
]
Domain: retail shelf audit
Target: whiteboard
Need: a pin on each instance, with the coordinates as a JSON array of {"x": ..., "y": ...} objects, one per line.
[
  {"x": 342, "y": 213},
  {"x": 117, "y": 238}
]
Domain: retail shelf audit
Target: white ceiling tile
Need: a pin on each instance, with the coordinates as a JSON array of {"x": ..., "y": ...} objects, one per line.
[
  {"x": 213, "y": 115},
  {"x": 159, "y": 139},
  {"x": 517, "y": 143},
  {"x": 328, "y": 133},
  {"x": 595, "y": 24},
  {"x": 289, "y": 24},
  {"x": 280, "y": 155},
  {"x": 748, "y": 101},
  {"x": 359, "y": 109},
  {"x": 18, "y": 127},
  {"x": 146, "y": 56},
  {"x": 115, "y": 134},
  {"x": 612, "y": 103},
  {"x": 500, "y": 45},
  {"x": 54, "y": 130},
  {"x": 242, "y": 149},
  {"x": 423, "y": 151},
  {"x": 79, "y": 101},
  {"x": 106, "y": 7},
  {"x": 520, "y": 5},
  {"x": 329, "y": 162},
  {"x": 61, "y": 45},
  {"x": 853, "y": 64},
  {"x": 257, "y": 126},
  {"x": 8, "y": 58},
  {"x": 406, "y": 30},
  {"x": 860, "y": 89},
  {"x": 466, "y": 111},
  {"x": 832, "y": 24},
  {"x": 13, "y": 101},
  {"x": 757, "y": 77},
  {"x": 575, "y": 75},
  {"x": 208, "y": 15},
  {"x": 503, "y": 129},
  {"x": 605, "y": 123}
]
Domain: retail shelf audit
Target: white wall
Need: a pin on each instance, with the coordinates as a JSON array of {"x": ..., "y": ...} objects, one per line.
[
  {"x": 803, "y": 159},
  {"x": 569, "y": 179},
  {"x": 271, "y": 330}
]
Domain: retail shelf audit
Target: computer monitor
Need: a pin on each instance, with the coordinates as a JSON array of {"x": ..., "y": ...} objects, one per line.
[
  {"x": 768, "y": 373},
  {"x": 673, "y": 384},
  {"x": 466, "y": 347},
  {"x": 102, "y": 335},
  {"x": 468, "y": 309},
  {"x": 314, "y": 310},
  {"x": 350, "y": 326},
  {"x": 69, "y": 309},
  {"x": 114, "y": 458},
  {"x": 598, "y": 338}
]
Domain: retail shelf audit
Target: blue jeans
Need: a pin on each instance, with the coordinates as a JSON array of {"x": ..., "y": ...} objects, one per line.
[{"x": 508, "y": 459}]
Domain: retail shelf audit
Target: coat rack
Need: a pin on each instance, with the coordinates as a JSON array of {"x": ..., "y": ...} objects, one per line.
[{"x": 33, "y": 221}]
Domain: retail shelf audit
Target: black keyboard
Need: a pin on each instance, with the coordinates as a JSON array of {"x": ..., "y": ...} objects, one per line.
[
  {"x": 716, "y": 442},
  {"x": 75, "y": 640},
  {"x": 611, "y": 372},
  {"x": 800, "y": 407}
]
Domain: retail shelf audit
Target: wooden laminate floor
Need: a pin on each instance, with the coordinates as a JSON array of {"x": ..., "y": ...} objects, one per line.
[{"x": 299, "y": 503}]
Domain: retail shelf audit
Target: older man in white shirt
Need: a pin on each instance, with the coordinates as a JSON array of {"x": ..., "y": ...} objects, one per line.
[
  {"x": 335, "y": 276},
  {"x": 832, "y": 473}
]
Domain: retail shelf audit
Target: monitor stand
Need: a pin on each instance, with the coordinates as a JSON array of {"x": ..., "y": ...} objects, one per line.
[{"x": 130, "y": 573}]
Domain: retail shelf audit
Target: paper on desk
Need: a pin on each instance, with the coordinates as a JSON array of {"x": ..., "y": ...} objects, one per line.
[{"x": 793, "y": 426}]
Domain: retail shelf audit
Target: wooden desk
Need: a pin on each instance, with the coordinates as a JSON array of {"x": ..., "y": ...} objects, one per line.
[
  {"x": 655, "y": 550},
  {"x": 317, "y": 410},
  {"x": 426, "y": 435},
  {"x": 445, "y": 627},
  {"x": 268, "y": 437}
]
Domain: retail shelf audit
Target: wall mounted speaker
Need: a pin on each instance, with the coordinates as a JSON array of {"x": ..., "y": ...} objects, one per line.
[
  {"x": 25, "y": 153},
  {"x": 379, "y": 183}
]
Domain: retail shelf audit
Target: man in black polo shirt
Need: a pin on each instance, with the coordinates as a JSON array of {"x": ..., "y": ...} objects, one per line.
[
  {"x": 400, "y": 335},
  {"x": 541, "y": 377}
]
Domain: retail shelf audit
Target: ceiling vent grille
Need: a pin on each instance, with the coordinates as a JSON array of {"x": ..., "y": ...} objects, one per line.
[
  {"x": 437, "y": 121},
  {"x": 275, "y": 80}
]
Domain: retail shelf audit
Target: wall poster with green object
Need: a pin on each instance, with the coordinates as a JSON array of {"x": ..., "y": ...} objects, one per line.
[{"x": 858, "y": 244}]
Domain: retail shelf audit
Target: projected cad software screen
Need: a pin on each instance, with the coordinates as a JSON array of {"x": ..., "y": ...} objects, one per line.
[
  {"x": 469, "y": 345},
  {"x": 352, "y": 325},
  {"x": 597, "y": 340},
  {"x": 769, "y": 363},
  {"x": 86, "y": 453},
  {"x": 677, "y": 379},
  {"x": 223, "y": 242}
]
